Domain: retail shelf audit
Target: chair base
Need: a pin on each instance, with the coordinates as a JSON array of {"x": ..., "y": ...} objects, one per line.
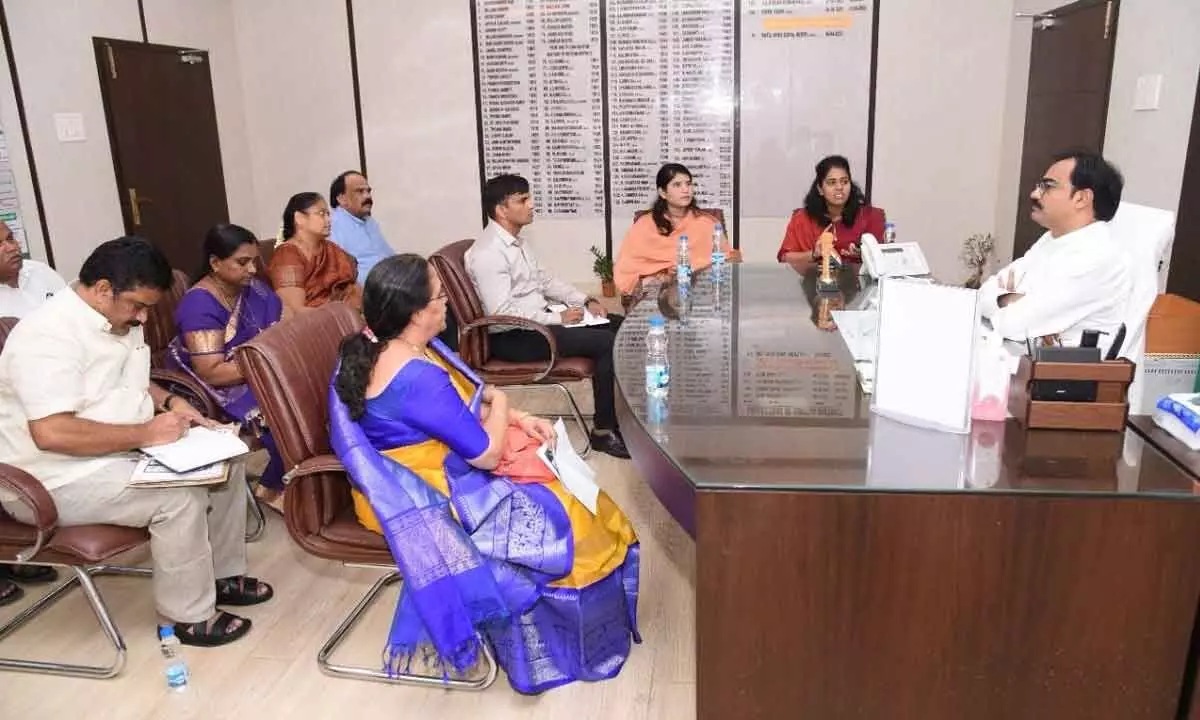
[
  {"x": 83, "y": 578},
  {"x": 259, "y": 526},
  {"x": 378, "y": 675},
  {"x": 573, "y": 406}
]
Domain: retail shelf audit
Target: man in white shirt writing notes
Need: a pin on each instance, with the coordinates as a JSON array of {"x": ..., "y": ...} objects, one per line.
[
  {"x": 1076, "y": 277},
  {"x": 510, "y": 281},
  {"x": 76, "y": 400}
]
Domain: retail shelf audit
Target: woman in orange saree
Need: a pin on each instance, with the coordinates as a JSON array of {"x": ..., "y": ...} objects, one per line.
[{"x": 308, "y": 269}]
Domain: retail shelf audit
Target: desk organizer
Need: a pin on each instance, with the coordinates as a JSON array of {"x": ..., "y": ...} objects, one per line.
[{"x": 1107, "y": 412}]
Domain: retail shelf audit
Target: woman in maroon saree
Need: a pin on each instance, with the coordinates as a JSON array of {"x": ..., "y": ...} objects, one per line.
[{"x": 229, "y": 306}]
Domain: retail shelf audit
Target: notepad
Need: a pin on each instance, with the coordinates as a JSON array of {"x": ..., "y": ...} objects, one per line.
[
  {"x": 925, "y": 363},
  {"x": 150, "y": 473},
  {"x": 200, "y": 446},
  {"x": 588, "y": 317},
  {"x": 573, "y": 471}
]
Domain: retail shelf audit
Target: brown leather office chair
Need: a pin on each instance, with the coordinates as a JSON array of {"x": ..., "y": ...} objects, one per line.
[
  {"x": 289, "y": 367},
  {"x": 159, "y": 331},
  {"x": 464, "y": 303},
  {"x": 82, "y": 548},
  {"x": 266, "y": 248}
]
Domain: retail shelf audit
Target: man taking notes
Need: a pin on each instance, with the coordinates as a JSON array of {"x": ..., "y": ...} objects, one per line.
[
  {"x": 76, "y": 399},
  {"x": 353, "y": 228},
  {"x": 510, "y": 281},
  {"x": 1076, "y": 277}
]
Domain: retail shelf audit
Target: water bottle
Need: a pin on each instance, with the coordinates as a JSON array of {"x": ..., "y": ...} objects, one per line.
[
  {"x": 683, "y": 262},
  {"x": 658, "y": 369},
  {"x": 889, "y": 232},
  {"x": 174, "y": 667},
  {"x": 657, "y": 415},
  {"x": 718, "y": 255}
]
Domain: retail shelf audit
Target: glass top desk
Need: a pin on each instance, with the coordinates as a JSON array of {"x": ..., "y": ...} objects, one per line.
[{"x": 810, "y": 514}]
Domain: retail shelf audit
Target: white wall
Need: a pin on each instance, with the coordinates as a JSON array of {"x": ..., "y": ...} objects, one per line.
[
  {"x": 299, "y": 102},
  {"x": 1150, "y": 147},
  {"x": 939, "y": 115},
  {"x": 208, "y": 25},
  {"x": 420, "y": 136},
  {"x": 52, "y": 43}
]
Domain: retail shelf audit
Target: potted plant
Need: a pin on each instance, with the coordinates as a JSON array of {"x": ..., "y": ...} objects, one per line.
[
  {"x": 977, "y": 252},
  {"x": 602, "y": 265}
]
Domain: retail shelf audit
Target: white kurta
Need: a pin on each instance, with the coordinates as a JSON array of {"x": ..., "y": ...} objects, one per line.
[{"x": 1079, "y": 281}]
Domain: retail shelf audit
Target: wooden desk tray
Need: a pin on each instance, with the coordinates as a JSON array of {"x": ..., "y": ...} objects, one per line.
[{"x": 1108, "y": 412}]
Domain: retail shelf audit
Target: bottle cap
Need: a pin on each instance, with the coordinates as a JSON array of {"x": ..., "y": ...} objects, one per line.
[
  {"x": 657, "y": 321},
  {"x": 719, "y": 227},
  {"x": 166, "y": 631}
]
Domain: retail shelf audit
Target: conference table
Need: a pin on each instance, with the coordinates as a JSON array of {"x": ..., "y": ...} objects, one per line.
[{"x": 849, "y": 566}]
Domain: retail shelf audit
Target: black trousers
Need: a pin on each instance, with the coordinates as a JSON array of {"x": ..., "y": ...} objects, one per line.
[{"x": 594, "y": 342}]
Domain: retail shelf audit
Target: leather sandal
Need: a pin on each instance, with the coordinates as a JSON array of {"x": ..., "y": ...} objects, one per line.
[
  {"x": 242, "y": 590},
  {"x": 217, "y": 630},
  {"x": 31, "y": 573}
]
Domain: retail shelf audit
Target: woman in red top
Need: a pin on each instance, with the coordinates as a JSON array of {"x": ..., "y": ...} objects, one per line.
[{"x": 834, "y": 203}]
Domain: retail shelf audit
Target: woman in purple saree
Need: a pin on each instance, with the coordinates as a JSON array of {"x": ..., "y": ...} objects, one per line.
[
  {"x": 229, "y": 306},
  {"x": 525, "y": 567}
]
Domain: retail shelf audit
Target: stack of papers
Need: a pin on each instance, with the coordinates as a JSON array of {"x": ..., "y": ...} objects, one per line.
[
  {"x": 588, "y": 317},
  {"x": 150, "y": 473}
]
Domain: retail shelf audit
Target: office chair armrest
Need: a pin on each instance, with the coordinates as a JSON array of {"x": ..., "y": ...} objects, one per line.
[
  {"x": 32, "y": 494},
  {"x": 485, "y": 322},
  {"x": 186, "y": 387},
  {"x": 314, "y": 466}
]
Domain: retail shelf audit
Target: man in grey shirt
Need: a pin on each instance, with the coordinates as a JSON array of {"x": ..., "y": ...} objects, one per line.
[{"x": 510, "y": 282}]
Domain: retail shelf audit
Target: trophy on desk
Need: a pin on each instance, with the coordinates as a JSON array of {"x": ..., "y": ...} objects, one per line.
[{"x": 826, "y": 282}]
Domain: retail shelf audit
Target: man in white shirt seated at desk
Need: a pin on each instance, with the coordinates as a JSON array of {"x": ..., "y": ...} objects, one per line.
[
  {"x": 1076, "y": 277},
  {"x": 75, "y": 402},
  {"x": 510, "y": 281},
  {"x": 24, "y": 284}
]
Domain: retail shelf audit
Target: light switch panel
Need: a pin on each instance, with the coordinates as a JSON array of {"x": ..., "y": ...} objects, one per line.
[
  {"x": 69, "y": 127},
  {"x": 1146, "y": 96}
]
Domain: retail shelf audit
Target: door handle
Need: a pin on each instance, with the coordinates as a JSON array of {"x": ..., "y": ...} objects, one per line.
[{"x": 135, "y": 210}]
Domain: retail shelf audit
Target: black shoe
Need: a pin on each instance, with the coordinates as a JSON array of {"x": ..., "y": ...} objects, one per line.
[
  {"x": 610, "y": 443},
  {"x": 28, "y": 573}
]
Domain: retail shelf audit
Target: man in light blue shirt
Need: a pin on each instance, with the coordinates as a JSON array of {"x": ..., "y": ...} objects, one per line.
[{"x": 353, "y": 227}]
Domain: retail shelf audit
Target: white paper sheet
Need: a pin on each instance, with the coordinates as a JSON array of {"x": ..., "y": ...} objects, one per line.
[
  {"x": 925, "y": 363},
  {"x": 200, "y": 446},
  {"x": 576, "y": 475},
  {"x": 588, "y": 317}
]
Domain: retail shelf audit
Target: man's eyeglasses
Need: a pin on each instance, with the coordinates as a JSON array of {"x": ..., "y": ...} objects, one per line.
[{"x": 1045, "y": 185}]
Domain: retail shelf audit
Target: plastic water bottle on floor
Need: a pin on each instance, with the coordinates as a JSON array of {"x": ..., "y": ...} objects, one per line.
[
  {"x": 683, "y": 261},
  {"x": 174, "y": 666},
  {"x": 718, "y": 255},
  {"x": 658, "y": 368}
]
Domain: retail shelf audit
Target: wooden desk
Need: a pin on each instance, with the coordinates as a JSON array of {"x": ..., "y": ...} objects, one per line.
[
  {"x": 852, "y": 568},
  {"x": 1189, "y": 461}
]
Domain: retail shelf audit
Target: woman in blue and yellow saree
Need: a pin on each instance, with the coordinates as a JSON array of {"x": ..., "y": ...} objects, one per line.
[{"x": 487, "y": 553}]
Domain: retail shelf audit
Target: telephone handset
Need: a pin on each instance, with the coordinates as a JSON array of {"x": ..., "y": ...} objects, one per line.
[{"x": 893, "y": 259}]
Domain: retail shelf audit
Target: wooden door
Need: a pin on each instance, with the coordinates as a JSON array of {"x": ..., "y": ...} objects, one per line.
[
  {"x": 1184, "y": 276},
  {"x": 1070, "y": 69},
  {"x": 162, "y": 126}
]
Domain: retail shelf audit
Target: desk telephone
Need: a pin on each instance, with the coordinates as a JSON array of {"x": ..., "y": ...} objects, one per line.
[{"x": 892, "y": 260}]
